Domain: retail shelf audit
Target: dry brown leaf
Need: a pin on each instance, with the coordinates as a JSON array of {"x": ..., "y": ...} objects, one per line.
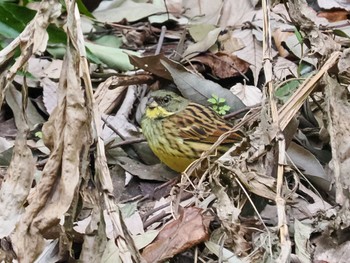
[
  {"x": 328, "y": 249},
  {"x": 251, "y": 53},
  {"x": 223, "y": 65},
  {"x": 279, "y": 37},
  {"x": 228, "y": 43},
  {"x": 19, "y": 176},
  {"x": 106, "y": 98},
  {"x": 339, "y": 131},
  {"x": 307, "y": 19},
  {"x": 284, "y": 68},
  {"x": 95, "y": 238},
  {"x": 32, "y": 40},
  {"x": 202, "y": 46},
  {"x": 153, "y": 65},
  {"x": 49, "y": 94},
  {"x": 67, "y": 133},
  {"x": 190, "y": 229},
  {"x": 232, "y": 15},
  {"x": 249, "y": 95},
  {"x": 334, "y": 16},
  {"x": 203, "y": 12}
]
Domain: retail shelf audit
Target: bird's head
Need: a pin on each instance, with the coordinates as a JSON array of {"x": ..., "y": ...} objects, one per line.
[{"x": 163, "y": 103}]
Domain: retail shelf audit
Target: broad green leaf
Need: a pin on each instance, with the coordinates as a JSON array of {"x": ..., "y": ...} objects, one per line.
[
  {"x": 57, "y": 51},
  {"x": 56, "y": 35},
  {"x": 83, "y": 10},
  {"x": 114, "y": 58},
  {"x": 109, "y": 41},
  {"x": 226, "y": 108},
  {"x": 343, "y": 32},
  {"x": 284, "y": 92},
  {"x": 212, "y": 100},
  {"x": 13, "y": 19}
]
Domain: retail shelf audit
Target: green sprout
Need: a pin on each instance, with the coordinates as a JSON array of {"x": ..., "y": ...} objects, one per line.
[
  {"x": 219, "y": 104},
  {"x": 39, "y": 134}
]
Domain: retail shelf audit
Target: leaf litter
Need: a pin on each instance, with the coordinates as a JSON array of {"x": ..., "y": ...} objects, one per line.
[{"x": 98, "y": 194}]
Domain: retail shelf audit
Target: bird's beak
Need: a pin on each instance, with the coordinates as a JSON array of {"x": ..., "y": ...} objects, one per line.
[{"x": 151, "y": 103}]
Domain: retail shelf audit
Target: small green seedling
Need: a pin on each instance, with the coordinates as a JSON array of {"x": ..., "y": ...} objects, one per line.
[
  {"x": 39, "y": 134},
  {"x": 219, "y": 104}
]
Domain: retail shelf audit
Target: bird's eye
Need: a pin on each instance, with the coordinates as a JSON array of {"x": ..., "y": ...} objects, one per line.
[{"x": 166, "y": 99}]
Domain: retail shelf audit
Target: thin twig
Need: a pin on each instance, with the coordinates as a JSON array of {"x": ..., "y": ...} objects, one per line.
[
  {"x": 109, "y": 125},
  {"x": 238, "y": 112},
  {"x": 126, "y": 142},
  {"x": 161, "y": 40},
  {"x": 154, "y": 210}
]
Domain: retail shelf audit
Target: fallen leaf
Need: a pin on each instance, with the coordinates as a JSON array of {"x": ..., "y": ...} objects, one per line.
[
  {"x": 190, "y": 229},
  {"x": 225, "y": 254},
  {"x": 67, "y": 134},
  {"x": 302, "y": 234},
  {"x": 309, "y": 166},
  {"x": 153, "y": 64},
  {"x": 249, "y": 95},
  {"x": 203, "y": 45},
  {"x": 129, "y": 10},
  {"x": 339, "y": 130},
  {"x": 18, "y": 179},
  {"x": 223, "y": 65},
  {"x": 203, "y": 12},
  {"x": 200, "y": 31},
  {"x": 200, "y": 90},
  {"x": 157, "y": 172},
  {"x": 114, "y": 58}
]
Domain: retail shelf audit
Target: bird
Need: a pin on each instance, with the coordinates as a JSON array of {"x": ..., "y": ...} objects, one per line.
[{"x": 178, "y": 130}]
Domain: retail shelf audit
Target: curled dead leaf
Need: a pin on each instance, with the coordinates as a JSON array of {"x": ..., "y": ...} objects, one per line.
[{"x": 190, "y": 229}]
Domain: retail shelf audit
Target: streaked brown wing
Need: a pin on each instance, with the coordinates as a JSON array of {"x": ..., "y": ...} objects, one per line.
[{"x": 201, "y": 124}]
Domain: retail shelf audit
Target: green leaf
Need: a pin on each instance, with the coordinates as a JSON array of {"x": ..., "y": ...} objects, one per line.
[
  {"x": 284, "y": 92},
  {"x": 343, "y": 32},
  {"x": 39, "y": 134},
  {"x": 212, "y": 100},
  {"x": 114, "y": 58},
  {"x": 57, "y": 51},
  {"x": 13, "y": 19},
  {"x": 109, "y": 41},
  {"x": 222, "y": 100},
  {"x": 226, "y": 107},
  {"x": 298, "y": 35},
  {"x": 56, "y": 35},
  {"x": 83, "y": 10}
]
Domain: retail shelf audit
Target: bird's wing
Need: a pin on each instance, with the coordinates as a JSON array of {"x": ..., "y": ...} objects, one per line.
[{"x": 200, "y": 124}]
